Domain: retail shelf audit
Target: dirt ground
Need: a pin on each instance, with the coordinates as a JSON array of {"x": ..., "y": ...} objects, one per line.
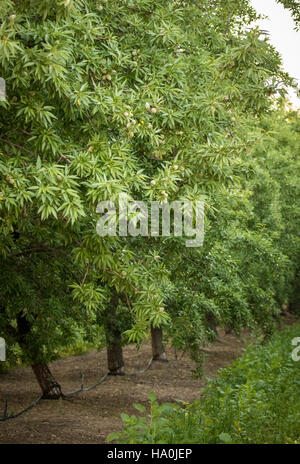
[{"x": 90, "y": 416}]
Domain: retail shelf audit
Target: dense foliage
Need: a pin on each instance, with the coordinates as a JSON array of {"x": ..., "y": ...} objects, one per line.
[
  {"x": 159, "y": 100},
  {"x": 294, "y": 7},
  {"x": 256, "y": 400}
]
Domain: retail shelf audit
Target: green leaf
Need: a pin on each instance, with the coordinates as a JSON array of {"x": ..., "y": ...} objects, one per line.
[
  {"x": 225, "y": 438},
  {"x": 112, "y": 436},
  {"x": 139, "y": 407},
  {"x": 152, "y": 397}
]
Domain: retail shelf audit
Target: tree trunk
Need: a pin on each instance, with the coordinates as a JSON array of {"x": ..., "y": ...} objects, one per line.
[
  {"x": 158, "y": 350},
  {"x": 115, "y": 360},
  {"x": 228, "y": 329},
  {"x": 113, "y": 334},
  {"x": 212, "y": 323},
  {"x": 49, "y": 386}
]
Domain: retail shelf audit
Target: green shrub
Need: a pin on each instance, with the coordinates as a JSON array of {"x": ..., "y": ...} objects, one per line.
[{"x": 255, "y": 400}]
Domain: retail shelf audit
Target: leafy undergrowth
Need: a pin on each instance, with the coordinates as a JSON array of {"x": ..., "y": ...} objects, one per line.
[{"x": 255, "y": 400}]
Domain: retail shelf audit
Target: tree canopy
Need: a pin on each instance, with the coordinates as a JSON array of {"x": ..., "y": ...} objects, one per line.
[
  {"x": 161, "y": 100},
  {"x": 294, "y": 7}
]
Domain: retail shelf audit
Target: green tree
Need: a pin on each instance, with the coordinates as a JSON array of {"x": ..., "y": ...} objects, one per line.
[
  {"x": 152, "y": 99},
  {"x": 294, "y": 7}
]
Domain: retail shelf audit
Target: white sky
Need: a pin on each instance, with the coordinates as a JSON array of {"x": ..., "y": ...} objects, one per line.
[{"x": 283, "y": 36}]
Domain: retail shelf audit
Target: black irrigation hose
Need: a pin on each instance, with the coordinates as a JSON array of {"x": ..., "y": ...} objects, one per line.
[
  {"x": 81, "y": 389},
  {"x": 13, "y": 416},
  {"x": 143, "y": 370}
]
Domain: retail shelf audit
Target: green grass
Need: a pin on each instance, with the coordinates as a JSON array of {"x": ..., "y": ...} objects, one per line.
[{"x": 255, "y": 400}]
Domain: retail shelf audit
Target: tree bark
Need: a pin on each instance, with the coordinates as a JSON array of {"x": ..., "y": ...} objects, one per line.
[
  {"x": 158, "y": 350},
  {"x": 228, "y": 330},
  {"x": 113, "y": 335},
  {"x": 115, "y": 362},
  {"x": 211, "y": 322},
  {"x": 50, "y": 387}
]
